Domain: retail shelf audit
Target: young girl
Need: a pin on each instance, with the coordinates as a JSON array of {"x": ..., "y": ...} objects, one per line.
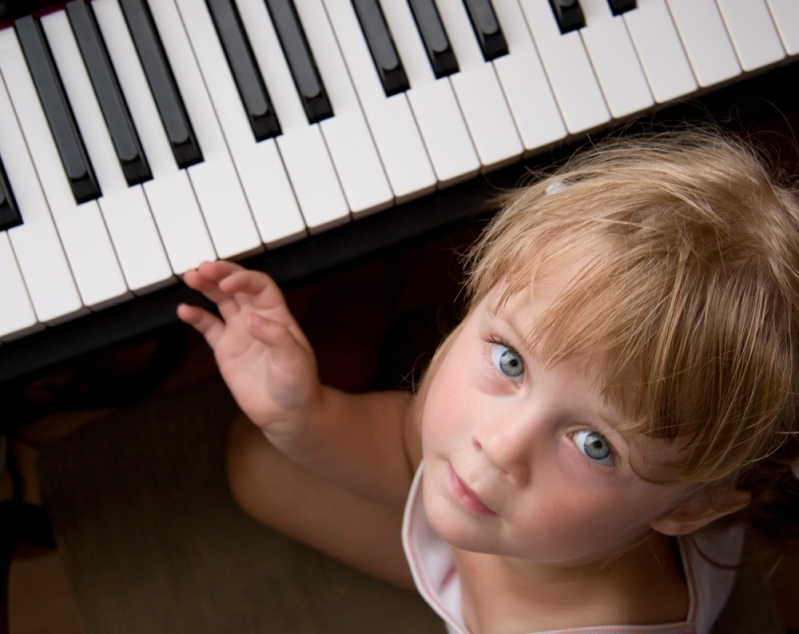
[{"x": 619, "y": 400}]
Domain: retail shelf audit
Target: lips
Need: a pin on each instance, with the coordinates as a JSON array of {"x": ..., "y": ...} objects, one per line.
[{"x": 464, "y": 496}]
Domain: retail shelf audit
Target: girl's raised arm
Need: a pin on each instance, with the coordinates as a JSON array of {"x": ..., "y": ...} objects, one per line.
[{"x": 355, "y": 441}]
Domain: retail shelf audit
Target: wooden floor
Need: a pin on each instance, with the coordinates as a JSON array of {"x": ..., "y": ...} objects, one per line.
[{"x": 40, "y": 597}]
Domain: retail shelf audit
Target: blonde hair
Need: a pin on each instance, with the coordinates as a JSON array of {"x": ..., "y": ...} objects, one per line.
[{"x": 688, "y": 293}]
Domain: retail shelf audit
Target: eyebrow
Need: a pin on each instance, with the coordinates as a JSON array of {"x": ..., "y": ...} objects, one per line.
[{"x": 501, "y": 313}]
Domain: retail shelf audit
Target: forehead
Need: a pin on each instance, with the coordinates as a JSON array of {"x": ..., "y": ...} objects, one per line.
[
  {"x": 545, "y": 281},
  {"x": 523, "y": 306}
]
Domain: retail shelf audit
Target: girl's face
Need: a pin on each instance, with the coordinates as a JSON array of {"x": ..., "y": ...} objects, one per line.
[{"x": 525, "y": 461}]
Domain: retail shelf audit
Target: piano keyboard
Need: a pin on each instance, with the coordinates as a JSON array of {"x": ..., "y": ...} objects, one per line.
[{"x": 141, "y": 137}]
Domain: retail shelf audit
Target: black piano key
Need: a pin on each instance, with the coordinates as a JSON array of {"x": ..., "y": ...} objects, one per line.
[
  {"x": 59, "y": 114},
  {"x": 168, "y": 101},
  {"x": 617, "y": 7},
  {"x": 9, "y": 212},
  {"x": 381, "y": 46},
  {"x": 300, "y": 60},
  {"x": 254, "y": 96},
  {"x": 486, "y": 28},
  {"x": 568, "y": 14},
  {"x": 109, "y": 94},
  {"x": 435, "y": 39}
]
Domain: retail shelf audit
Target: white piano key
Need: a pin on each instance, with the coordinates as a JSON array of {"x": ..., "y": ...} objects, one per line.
[
  {"x": 17, "y": 317},
  {"x": 81, "y": 228},
  {"x": 525, "y": 84},
  {"x": 752, "y": 32},
  {"x": 786, "y": 16},
  {"x": 37, "y": 246},
  {"x": 433, "y": 102},
  {"x": 302, "y": 148},
  {"x": 258, "y": 164},
  {"x": 705, "y": 40},
  {"x": 215, "y": 181},
  {"x": 660, "y": 51},
  {"x": 170, "y": 195},
  {"x": 614, "y": 60},
  {"x": 568, "y": 67},
  {"x": 125, "y": 209},
  {"x": 479, "y": 92},
  {"x": 346, "y": 133},
  {"x": 390, "y": 119}
]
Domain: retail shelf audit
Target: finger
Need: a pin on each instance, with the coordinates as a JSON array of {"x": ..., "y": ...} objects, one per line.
[
  {"x": 195, "y": 280},
  {"x": 219, "y": 269},
  {"x": 198, "y": 281},
  {"x": 266, "y": 297},
  {"x": 210, "y": 326},
  {"x": 257, "y": 288},
  {"x": 249, "y": 282}
]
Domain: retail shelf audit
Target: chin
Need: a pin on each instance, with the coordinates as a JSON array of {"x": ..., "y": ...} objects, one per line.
[{"x": 455, "y": 528}]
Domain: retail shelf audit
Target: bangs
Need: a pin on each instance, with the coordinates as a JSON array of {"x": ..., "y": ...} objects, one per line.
[{"x": 689, "y": 334}]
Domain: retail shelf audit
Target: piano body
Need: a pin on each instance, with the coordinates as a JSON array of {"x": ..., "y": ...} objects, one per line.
[{"x": 140, "y": 137}]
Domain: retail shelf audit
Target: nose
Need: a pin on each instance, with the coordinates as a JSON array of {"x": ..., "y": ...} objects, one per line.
[{"x": 508, "y": 442}]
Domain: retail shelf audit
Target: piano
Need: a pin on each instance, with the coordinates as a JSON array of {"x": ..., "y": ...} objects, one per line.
[{"x": 141, "y": 137}]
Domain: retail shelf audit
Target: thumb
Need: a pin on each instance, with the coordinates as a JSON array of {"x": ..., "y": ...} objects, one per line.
[
  {"x": 283, "y": 345},
  {"x": 292, "y": 376}
]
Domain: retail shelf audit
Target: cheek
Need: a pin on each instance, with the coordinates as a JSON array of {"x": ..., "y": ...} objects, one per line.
[
  {"x": 451, "y": 400},
  {"x": 443, "y": 414},
  {"x": 606, "y": 502},
  {"x": 568, "y": 520},
  {"x": 571, "y": 531}
]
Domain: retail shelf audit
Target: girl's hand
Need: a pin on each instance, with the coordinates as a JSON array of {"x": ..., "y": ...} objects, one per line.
[{"x": 261, "y": 352}]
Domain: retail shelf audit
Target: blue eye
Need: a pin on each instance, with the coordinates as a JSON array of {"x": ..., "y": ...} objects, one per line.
[
  {"x": 507, "y": 361},
  {"x": 595, "y": 446}
]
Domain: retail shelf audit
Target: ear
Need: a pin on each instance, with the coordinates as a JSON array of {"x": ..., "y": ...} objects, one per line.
[{"x": 700, "y": 512}]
